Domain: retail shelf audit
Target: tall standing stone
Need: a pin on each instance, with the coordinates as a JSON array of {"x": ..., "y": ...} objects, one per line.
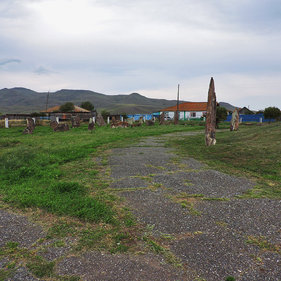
[
  {"x": 162, "y": 118},
  {"x": 234, "y": 123},
  {"x": 210, "y": 129}
]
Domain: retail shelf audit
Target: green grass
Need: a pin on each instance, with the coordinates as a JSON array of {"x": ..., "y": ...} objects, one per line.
[
  {"x": 253, "y": 151},
  {"x": 33, "y": 173}
]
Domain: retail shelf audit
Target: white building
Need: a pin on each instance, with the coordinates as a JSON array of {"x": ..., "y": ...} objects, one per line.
[{"x": 187, "y": 110}]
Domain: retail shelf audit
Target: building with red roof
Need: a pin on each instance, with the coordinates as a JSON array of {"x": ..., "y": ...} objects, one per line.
[{"x": 187, "y": 110}]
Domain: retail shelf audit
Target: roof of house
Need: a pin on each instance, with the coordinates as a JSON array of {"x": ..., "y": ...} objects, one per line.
[
  {"x": 57, "y": 108},
  {"x": 188, "y": 106}
]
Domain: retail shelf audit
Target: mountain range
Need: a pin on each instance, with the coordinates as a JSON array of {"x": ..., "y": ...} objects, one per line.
[{"x": 22, "y": 100}]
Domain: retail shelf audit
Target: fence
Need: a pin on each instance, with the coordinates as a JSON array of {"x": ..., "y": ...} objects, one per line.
[{"x": 251, "y": 118}]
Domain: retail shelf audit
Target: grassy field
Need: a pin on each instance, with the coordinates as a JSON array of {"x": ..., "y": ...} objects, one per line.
[
  {"x": 253, "y": 151},
  {"x": 58, "y": 172}
]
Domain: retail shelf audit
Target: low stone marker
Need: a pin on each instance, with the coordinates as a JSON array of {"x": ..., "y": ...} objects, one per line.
[
  {"x": 130, "y": 121},
  {"x": 91, "y": 126},
  {"x": 75, "y": 121},
  {"x": 234, "y": 123},
  {"x": 120, "y": 124},
  {"x": 149, "y": 123},
  {"x": 100, "y": 120},
  {"x": 30, "y": 126},
  {"x": 59, "y": 127},
  {"x": 210, "y": 127}
]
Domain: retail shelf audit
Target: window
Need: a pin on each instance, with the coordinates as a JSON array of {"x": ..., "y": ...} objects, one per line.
[{"x": 193, "y": 114}]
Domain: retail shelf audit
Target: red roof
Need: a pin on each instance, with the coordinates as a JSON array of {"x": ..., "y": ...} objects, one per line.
[
  {"x": 188, "y": 106},
  {"x": 76, "y": 109}
]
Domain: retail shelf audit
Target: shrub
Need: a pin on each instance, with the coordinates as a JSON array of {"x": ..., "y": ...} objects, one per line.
[{"x": 272, "y": 113}]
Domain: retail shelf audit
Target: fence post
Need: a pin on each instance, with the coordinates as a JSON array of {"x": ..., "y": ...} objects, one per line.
[
  {"x": 58, "y": 120},
  {"x": 260, "y": 119},
  {"x": 108, "y": 120}
]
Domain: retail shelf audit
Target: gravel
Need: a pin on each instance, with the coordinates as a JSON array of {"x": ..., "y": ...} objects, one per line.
[
  {"x": 213, "y": 240},
  {"x": 99, "y": 266},
  {"x": 17, "y": 228},
  {"x": 22, "y": 274}
]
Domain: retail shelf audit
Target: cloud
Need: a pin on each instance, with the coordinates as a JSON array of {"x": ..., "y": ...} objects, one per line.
[
  {"x": 148, "y": 46},
  {"x": 41, "y": 70},
  {"x": 7, "y": 61}
]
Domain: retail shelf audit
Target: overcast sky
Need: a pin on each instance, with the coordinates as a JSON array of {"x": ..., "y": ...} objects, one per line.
[{"x": 145, "y": 46}]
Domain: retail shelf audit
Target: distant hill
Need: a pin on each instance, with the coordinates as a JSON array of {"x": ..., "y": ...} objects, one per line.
[
  {"x": 22, "y": 100},
  {"x": 228, "y": 106}
]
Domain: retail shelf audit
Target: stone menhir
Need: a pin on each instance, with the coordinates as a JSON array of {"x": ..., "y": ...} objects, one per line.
[
  {"x": 210, "y": 127},
  {"x": 120, "y": 124},
  {"x": 75, "y": 121},
  {"x": 100, "y": 120},
  {"x": 234, "y": 123},
  {"x": 149, "y": 122},
  {"x": 30, "y": 126},
  {"x": 176, "y": 117},
  {"x": 61, "y": 128},
  {"x": 162, "y": 119},
  {"x": 130, "y": 121},
  {"x": 91, "y": 126},
  {"x": 54, "y": 124}
]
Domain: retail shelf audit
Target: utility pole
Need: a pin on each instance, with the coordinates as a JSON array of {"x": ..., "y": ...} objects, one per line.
[
  {"x": 176, "y": 115},
  {"x": 178, "y": 97},
  {"x": 47, "y": 101}
]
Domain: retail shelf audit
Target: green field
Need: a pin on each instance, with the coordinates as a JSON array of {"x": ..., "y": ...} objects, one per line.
[
  {"x": 58, "y": 172},
  {"x": 253, "y": 151}
]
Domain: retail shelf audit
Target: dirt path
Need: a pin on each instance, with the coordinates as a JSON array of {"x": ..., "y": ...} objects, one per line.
[
  {"x": 210, "y": 235},
  {"x": 189, "y": 209}
]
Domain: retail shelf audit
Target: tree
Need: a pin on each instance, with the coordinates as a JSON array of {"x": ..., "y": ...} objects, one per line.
[
  {"x": 105, "y": 114},
  {"x": 260, "y": 111},
  {"x": 67, "y": 107},
  {"x": 87, "y": 105},
  {"x": 221, "y": 115},
  {"x": 272, "y": 113}
]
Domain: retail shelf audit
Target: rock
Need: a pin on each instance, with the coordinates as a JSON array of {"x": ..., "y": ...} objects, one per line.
[
  {"x": 162, "y": 119},
  {"x": 149, "y": 122},
  {"x": 75, "y": 121},
  {"x": 91, "y": 126},
  {"x": 210, "y": 127},
  {"x": 30, "y": 126},
  {"x": 234, "y": 123},
  {"x": 61, "y": 128},
  {"x": 100, "y": 120}
]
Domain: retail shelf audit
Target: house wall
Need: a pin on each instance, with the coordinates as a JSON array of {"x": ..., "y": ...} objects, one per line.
[{"x": 185, "y": 115}]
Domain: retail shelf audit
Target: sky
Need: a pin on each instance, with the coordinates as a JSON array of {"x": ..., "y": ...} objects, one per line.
[{"x": 145, "y": 46}]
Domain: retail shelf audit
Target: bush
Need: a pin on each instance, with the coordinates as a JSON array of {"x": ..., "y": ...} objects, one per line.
[
  {"x": 67, "y": 107},
  {"x": 221, "y": 115},
  {"x": 272, "y": 113},
  {"x": 87, "y": 105}
]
